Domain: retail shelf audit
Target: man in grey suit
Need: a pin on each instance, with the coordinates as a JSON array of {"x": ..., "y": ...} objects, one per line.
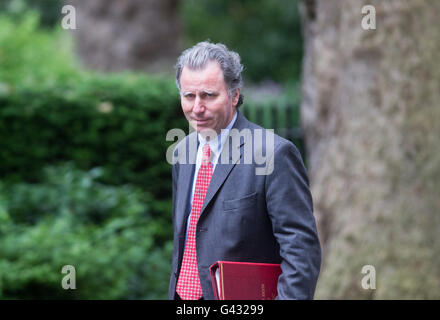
[{"x": 226, "y": 206}]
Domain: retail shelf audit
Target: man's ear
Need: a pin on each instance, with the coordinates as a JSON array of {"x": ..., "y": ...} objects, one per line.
[{"x": 236, "y": 97}]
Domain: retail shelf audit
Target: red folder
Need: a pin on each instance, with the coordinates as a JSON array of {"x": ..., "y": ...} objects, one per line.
[{"x": 244, "y": 280}]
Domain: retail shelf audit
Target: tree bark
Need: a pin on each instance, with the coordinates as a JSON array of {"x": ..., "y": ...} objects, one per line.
[
  {"x": 115, "y": 35},
  {"x": 371, "y": 116}
]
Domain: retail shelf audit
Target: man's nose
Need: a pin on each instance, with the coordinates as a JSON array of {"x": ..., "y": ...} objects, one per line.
[{"x": 198, "y": 105}]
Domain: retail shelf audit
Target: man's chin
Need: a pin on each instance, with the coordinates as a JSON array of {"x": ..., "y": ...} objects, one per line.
[
  {"x": 200, "y": 127},
  {"x": 206, "y": 132}
]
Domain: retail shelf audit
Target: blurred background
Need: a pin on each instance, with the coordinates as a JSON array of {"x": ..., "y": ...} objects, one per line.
[{"x": 84, "y": 114}]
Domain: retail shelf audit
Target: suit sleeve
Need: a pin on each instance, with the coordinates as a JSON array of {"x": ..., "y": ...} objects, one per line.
[{"x": 290, "y": 208}]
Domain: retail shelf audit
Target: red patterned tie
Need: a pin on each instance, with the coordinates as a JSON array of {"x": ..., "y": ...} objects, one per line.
[{"x": 188, "y": 285}]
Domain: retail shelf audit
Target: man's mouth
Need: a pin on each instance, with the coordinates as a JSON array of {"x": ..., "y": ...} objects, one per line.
[{"x": 201, "y": 121}]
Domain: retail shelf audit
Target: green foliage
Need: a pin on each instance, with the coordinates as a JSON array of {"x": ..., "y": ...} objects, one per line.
[
  {"x": 30, "y": 57},
  {"x": 113, "y": 127},
  {"x": 107, "y": 233},
  {"x": 83, "y": 175},
  {"x": 65, "y": 189},
  {"x": 267, "y": 34},
  {"x": 116, "y": 122},
  {"x": 48, "y": 9}
]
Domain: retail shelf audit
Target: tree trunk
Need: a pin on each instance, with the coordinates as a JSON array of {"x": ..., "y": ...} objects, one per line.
[
  {"x": 371, "y": 117},
  {"x": 115, "y": 35}
]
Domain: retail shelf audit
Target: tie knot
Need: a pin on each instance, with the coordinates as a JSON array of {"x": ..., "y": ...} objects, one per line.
[{"x": 206, "y": 153}]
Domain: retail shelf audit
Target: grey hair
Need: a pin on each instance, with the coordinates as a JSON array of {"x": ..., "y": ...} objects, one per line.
[{"x": 200, "y": 54}]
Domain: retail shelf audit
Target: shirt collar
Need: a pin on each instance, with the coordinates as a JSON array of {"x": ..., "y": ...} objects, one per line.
[{"x": 216, "y": 145}]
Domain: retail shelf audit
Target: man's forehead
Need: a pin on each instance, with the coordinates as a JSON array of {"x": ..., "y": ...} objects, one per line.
[
  {"x": 202, "y": 66},
  {"x": 210, "y": 72}
]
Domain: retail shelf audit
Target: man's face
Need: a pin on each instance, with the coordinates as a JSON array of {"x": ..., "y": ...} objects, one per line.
[{"x": 204, "y": 98}]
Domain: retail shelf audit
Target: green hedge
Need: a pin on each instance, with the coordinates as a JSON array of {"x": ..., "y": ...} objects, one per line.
[
  {"x": 113, "y": 223},
  {"x": 108, "y": 210},
  {"x": 83, "y": 174},
  {"x": 117, "y": 122},
  {"x": 106, "y": 232}
]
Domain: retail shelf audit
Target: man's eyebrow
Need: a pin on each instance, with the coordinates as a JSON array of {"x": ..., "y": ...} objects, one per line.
[{"x": 186, "y": 93}]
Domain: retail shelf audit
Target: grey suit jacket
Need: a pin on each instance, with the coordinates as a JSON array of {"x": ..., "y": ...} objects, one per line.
[{"x": 250, "y": 218}]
